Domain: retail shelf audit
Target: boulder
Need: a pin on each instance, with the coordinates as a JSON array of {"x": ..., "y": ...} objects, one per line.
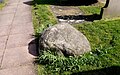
[{"x": 64, "y": 39}]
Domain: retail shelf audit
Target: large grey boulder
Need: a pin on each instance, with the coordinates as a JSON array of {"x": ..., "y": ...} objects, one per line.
[{"x": 64, "y": 39}]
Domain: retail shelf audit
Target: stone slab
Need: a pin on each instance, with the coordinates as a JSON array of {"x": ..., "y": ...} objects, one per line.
[
  {"x": 2, "y": 46},
  {"x": 23, "y": 8},
  {"x": 6, "y": 19},
  {"x": 1, "y": 56},
  {"x": 18, "y": 40},
  {"x": 16, "y": 52},
  {"x": 2, "y": 42},
  {"x": 4, "y": 30},
  {"x": 16, "y": 57},
  {"x": 21, "y": 70},
  {"x": 9, "y": 10},
  {"x": 22, "y": 19},
  {"x": 26, "y": 13},
  {"x": 13, "y": 2},
  {"x": 22, "y": 28},
  {"x": 113, "y": 9}
]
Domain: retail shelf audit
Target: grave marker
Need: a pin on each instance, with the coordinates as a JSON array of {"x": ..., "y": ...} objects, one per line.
[{"x": 113, "y": 9}]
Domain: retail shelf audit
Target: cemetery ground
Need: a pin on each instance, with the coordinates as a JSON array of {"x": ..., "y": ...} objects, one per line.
[{"x": 103, "y": 35}]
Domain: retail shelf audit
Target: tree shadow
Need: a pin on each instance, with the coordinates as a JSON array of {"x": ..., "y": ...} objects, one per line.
[
  {"x": 62, "y": 2},
  {"x": 33, "y": 47},
  {"x": 113, "y": 70},
  {"x": 83, "y": 17}
]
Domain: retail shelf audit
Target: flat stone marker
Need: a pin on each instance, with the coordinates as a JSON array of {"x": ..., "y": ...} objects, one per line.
[{"x": 113, "y": 9}]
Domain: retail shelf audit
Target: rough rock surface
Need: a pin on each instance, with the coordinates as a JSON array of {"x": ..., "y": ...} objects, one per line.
[{"x": 64, "y": 39}]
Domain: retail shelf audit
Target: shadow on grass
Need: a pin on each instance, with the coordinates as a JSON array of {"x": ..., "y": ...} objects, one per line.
[
  {"x": 114, "y": 70},
  {"x": 83, "y": 17},
  {"x": 62, "y": 2}
]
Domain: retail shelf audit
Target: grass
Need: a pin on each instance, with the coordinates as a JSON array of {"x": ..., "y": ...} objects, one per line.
[
  {"x": 103, "y": 35},
  {"x": 105, "y": 42},
  {"x": 42, "y": 17},
  {"x": 90, "y": 9},
  {"x": 2, "y": 5},
  {"x": 93, "y": 9}
]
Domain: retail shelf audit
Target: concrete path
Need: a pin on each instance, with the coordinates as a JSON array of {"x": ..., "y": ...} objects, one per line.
[{"x": 16, "y": 32}]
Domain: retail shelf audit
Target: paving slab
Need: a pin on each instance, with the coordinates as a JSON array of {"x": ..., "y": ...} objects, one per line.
[
  {"x": 24, "y": 7},
  {"x": 9, "y": 10},
  {"x": 18, "y": 40},
  {"x": 16, "y": 57},
  {"x": 17, "y": 53},
  {"x": 22, "y": 19},
  {"x": 4, "y": 30},
  {"x": 12, "y": 2},
  {"x": 22, "y": 28},
  {"x": 23, "y": 24},
  {"x": 21, "y": 70},
  {"x": 18, "y": 13},
  {"x": 6, "y": 19},
  {"x": 2, "y": 46},
  {"x": 2, "y": 42},
  {"x": 1, "y": 55}
]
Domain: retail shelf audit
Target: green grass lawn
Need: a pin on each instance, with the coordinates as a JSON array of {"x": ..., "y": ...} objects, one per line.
[
  {"x": 2, "y": 4},
  {"x": 90, "y": 9},
  {"x": 93, "y": 9},
  {"x": 103, "y": 35},
  {"x": 42, "y": 17}
]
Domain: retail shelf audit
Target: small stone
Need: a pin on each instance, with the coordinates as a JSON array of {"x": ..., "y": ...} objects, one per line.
[
  {"x": 62, "y": 20},
  {"x": 71, "y": 20},
  {"x": 60, "y": 10},
  {"x": 79, "y": 21}
]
